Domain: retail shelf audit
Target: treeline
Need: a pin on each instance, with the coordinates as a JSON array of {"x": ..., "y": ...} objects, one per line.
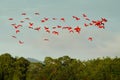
[{"x": 62, "y": 68}]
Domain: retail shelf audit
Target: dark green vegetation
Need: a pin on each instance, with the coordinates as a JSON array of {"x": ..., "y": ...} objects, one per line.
[{"x": 62, "y": 68}]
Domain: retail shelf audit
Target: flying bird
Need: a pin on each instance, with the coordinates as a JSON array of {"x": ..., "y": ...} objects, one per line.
[
  {"x": 84, "y": 15},
  {"x": 13, "y": 24},
  {"x": 100, "y": 26},
  {"x": 58, "y": 26},
  {"x": 54, "y": 18},
  {"x": 77, "y": 29},
  {"x": 104, "y": 20},
  {"x": 87, "y": 19},
  {"x": 55, "y": 32},
  {"x": 90, "y": 24},
  {"x": 17, "y": 26},
  {"x": 22, "y": 21},
  {"x": 47, "y": 29},
  {"x": 86, "y": 25},
  {"x": 17, "y": 31},
  {"x": 31, "y": 25},
  {"x": 62, "y": 19},
  {"x": 21, "y": 42},
  {"x": 53, "y": 27},
  {"x": 46, "y": 19},
  {"x": 27, "y": 18},
  {"x": 23, "y": 14},
  {"x": 42, "y": 21},
  {"x": 14, "y": 36},
  {"x": 10, "y": 19},
  {"x": 90, "y": 38},
  {"x": 38, "y": 28},
  {"x": 71, "y": 31},
  {"x": 46, "y": 39},
  {"x": 76, "y": 18},
  {"x": 37, "y": 13}
]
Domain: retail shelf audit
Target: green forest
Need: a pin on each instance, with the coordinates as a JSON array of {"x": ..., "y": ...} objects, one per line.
[{"x": 62, "y": 68}]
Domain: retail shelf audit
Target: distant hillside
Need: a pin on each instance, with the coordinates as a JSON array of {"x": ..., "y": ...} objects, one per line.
[{"x": 32, "y": 60}]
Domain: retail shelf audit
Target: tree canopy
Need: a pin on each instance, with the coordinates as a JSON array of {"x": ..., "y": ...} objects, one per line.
[{"x": 62, "y": 68}]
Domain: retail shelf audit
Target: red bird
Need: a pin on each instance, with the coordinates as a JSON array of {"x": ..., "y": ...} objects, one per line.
[
  {"x": 104, "y": 20},
  {"x": 65, "y": 27},
  {"x": 13, "y": 24},
  {"x": 38, "y": 28},
  {"x": 84, "y": 15},
  {"x": 86, "y": 25},
  {"x": 98, "y": 23},
  {"x": 69, "y": 28},
  {"x": 31, "y": 25},
  {"x": 62, "y": 19},
  {"x": 54, "y": 18},
  {"x": 93, "y": 21},
  {"x": 59, "y": 26},
  {"x": 77, "y": 29},
  {"x": 46, "y": 39},
  {"x": 90, "y": 24},
  {"x": 54, "y": 27},
  {"x": 55, "y": 32},
  {"x": 87, "y": 19},
  {"x": 22, "y": 21},
  {"x": 14, "y": 36},
  {"x": 17, "y": 31},
  {"x": 100, "y": 26},
  {"x": 20, "y": 42},
  {"x": 48, "y": 30},
  {"x": 42, "y": 21},
  {"x": 76, "y": 18},
  {"x": 17, "y": 26},
  {"x": 10, "y": 19},
  {"x": 37, "y": 13},
  {"x": 46, "y": 19},
  {"x": 90, "y": 38},
  {"x": 23, "y": 14},
  {"x": 71, "y": 31},
  {"x": 27, "y": 18}
]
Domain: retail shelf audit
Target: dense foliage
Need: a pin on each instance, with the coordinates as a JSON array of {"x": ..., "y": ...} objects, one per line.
[{"x": 62, "y": 68}]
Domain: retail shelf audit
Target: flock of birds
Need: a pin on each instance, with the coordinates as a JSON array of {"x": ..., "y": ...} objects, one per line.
[{"x": 54, "y": 30}]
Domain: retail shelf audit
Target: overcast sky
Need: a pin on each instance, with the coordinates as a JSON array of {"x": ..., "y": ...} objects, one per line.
[{"x": 106, "y": 42}]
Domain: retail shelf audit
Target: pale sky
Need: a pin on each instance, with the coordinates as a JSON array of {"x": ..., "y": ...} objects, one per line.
[{"x": 106, "y": 42}]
